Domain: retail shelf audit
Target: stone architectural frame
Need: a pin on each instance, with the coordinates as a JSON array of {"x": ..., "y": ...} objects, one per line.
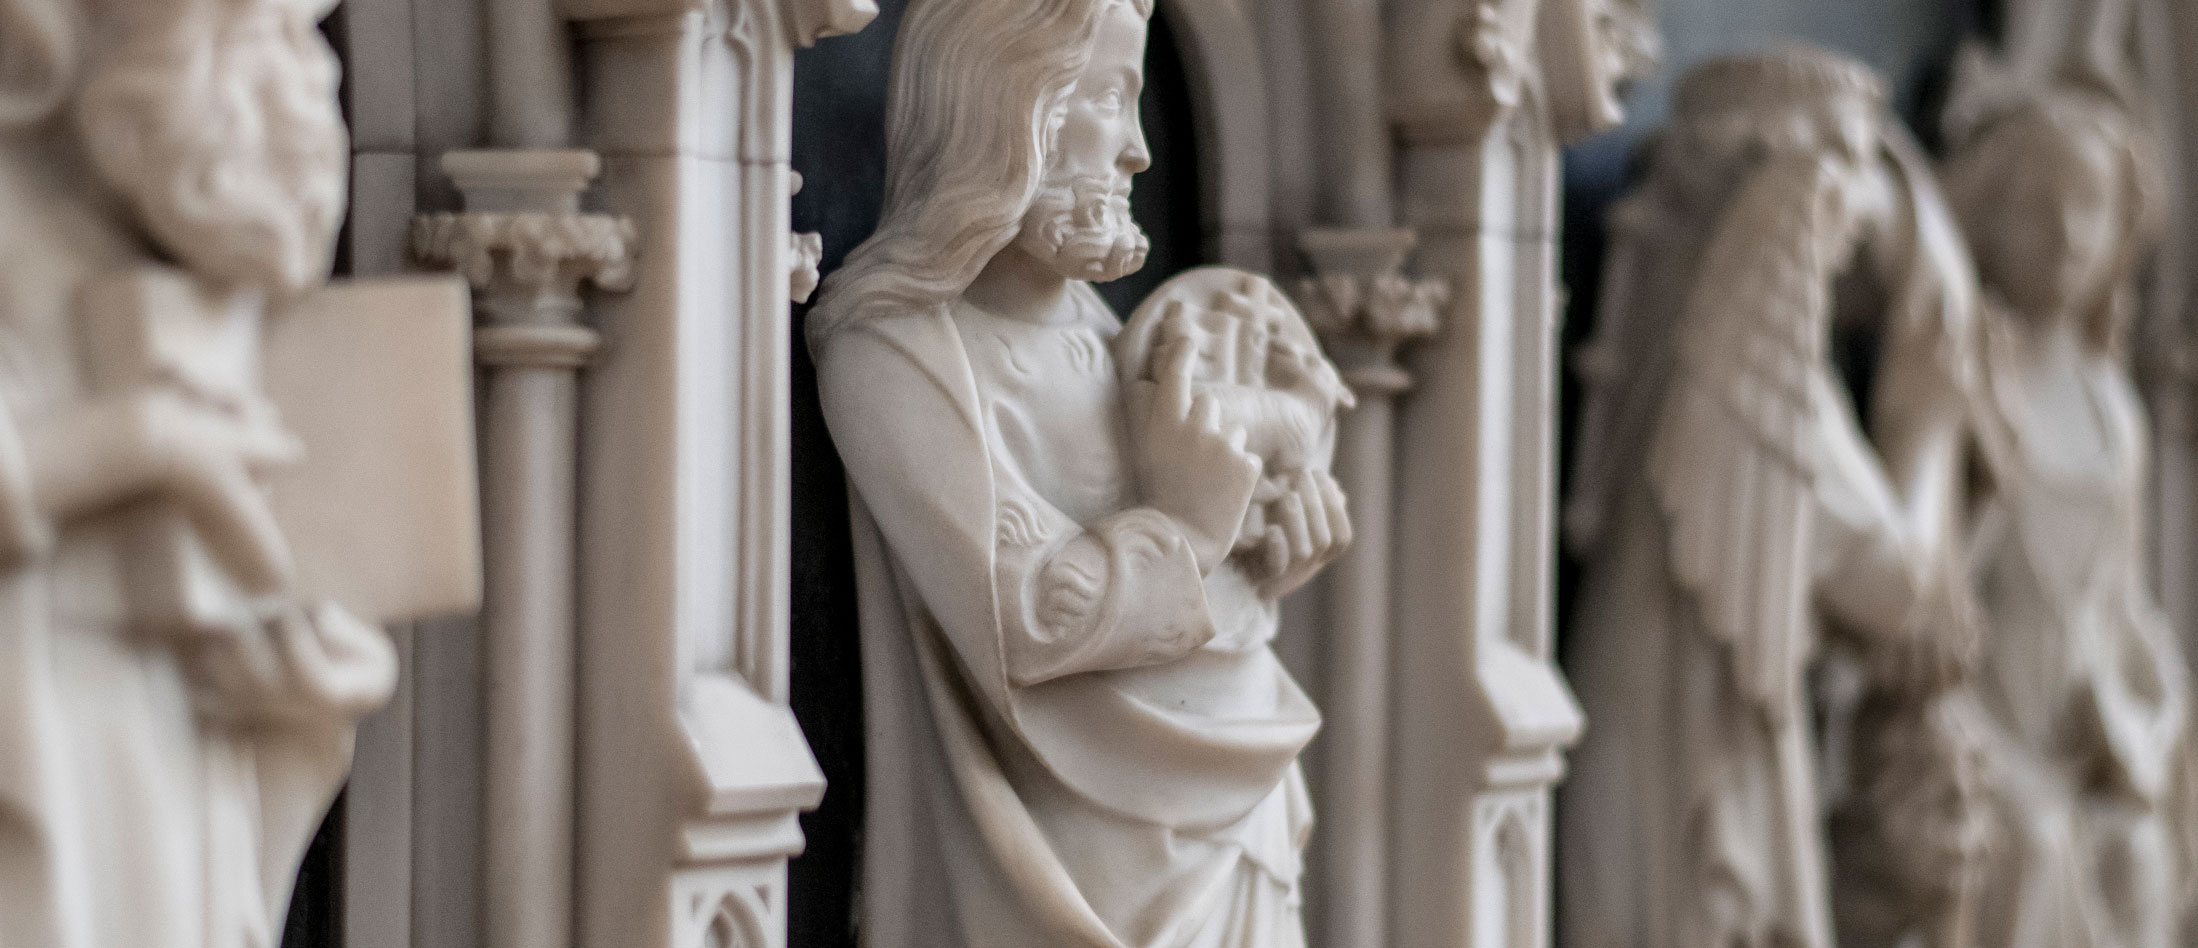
[{"x": 690, "y": 770}]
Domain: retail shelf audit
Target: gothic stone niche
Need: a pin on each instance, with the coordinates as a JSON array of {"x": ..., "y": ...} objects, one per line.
[
  {"x": 211, "y": 483},
  {"x": 1065, "y": 535}
]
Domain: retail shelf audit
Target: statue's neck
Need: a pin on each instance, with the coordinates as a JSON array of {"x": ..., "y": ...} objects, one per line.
[{"x": 1017, "y": 286}]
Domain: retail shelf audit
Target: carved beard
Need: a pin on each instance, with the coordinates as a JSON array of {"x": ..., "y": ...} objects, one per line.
[
  {"x": 217, "y": 123},
  {"x": 1082, "y": 229}
]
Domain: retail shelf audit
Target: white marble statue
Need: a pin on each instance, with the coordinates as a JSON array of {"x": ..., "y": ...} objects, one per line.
[
  {"x": 2082, "y": 678},
  {"x": 173, "y": 721},
  {"x": 1733, "y": 513},
  {"x": 1070, "y": 541}
]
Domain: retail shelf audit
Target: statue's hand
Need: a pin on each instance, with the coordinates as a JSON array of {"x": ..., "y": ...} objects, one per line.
[
  {"x": 1307, "y": 527},
  {"x": 1192, "y": 467},
  {"x": 158, "y": 441}
]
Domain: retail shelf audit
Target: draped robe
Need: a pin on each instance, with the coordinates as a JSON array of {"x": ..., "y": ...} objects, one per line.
[
  {"x": 131, "y": 813},
  {"x": 1075, "y": 740}
]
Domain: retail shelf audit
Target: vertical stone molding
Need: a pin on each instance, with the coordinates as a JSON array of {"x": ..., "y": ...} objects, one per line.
[
  {"x": 1364, "y": 308},
  {"x": 692, "y": 770},
  {"x": 527, "y": 249},
  {"x": 1480, "y": 91}
]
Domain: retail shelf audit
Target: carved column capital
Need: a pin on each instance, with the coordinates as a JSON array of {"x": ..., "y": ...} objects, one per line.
[
  {"x": 527, "y": 248},
  {"x": 536, "y": 248},
  {"x": 1363, "y": 305},
  {"x": 523, "y": 224}
]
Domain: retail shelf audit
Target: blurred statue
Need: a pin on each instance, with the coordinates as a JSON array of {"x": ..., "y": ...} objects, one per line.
[
  {"x": 1764, "y": 520},
  {"x": 1071, "y": 535},
  {"x": 173, "y": 721},
  {"x": 2085, "y": 685}
]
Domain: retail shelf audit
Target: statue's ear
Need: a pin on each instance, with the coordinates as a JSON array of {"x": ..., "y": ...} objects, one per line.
[{"x": 37, "y": 59}]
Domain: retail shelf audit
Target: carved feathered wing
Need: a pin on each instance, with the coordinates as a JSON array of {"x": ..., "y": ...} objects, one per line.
[{"x": 1731, "y": 467}]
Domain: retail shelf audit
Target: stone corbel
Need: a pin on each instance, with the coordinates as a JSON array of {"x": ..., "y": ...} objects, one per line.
[
  {"x": 1364, "y": 308},
  {"x": 817, "y": 19},
  {"x": 528, "y": 250},
  {"x": 1457, "y": 67},
  {"x": 1590, "y": 50}
]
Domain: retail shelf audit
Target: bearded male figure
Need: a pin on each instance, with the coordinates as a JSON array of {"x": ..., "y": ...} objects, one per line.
[
  {"x": 1069, "y": 545},
  {"x": 163, "y": 164}
]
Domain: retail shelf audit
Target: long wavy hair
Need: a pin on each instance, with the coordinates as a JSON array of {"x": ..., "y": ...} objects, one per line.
[
  {"x": 976, "y": 97},
  {"x": 39, "y": 48}
]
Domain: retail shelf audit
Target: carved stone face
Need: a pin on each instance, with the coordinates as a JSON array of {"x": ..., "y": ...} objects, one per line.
[
  {"x": 217, "y": 122},
  {"x": 1080, "y": 223},
  {"x": 2059, "y": 227}
]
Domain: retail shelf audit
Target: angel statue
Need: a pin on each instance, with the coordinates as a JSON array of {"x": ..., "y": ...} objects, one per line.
[
  {"x": 1762, "y": 519},
  {"x": 169, "y": 169},
  {"x": 2057, "y": 186},
  {"x": 1071, "y": 534}
]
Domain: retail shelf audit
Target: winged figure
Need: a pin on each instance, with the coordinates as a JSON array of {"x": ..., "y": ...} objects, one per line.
[{"x": 1731, "y": 511}]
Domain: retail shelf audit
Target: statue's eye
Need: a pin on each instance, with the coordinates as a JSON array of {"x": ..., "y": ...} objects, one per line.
[{"x": 1111, "y": 100}]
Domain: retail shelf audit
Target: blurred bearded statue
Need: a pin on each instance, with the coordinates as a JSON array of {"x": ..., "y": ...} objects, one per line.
[
  {"x": 169, "y": 170},
  {"x": 1070, "y": 534}
]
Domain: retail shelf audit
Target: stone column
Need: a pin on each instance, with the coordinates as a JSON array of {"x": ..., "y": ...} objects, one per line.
[
  {"x": 1364, "y": 308},
  {"x": 527, "y": 249},
  {"x": 693, "y": 771},
  {"x": 1480, "y": 91}
]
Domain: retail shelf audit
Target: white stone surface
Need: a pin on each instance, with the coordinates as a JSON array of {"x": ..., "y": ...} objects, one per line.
[
  {"x": 1071, "y": 541},
  {"x": 2087, "y": 689},
  {"x": 1760, "y": 520}
]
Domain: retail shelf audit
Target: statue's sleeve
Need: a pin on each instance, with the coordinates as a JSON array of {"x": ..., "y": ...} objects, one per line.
[
  {"x": 1010, "y": 578},
  {"x": 1866, "y": 570},
  {"x": 1121, "y": 592}
]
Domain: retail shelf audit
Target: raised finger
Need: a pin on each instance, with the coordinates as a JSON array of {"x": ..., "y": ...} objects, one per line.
[
  {"x": 1294, "y": 523},
  {"x": 1175, "y": 321},
  {"x": 1339, "y": 511},
  {"x": 1316, "y": 512},
  {"x": 1206, "y": 413},
  {"x": 1254, "y": 527},
  {"x": 1174, "y": 396},
  {"x": 1278, "y": 551}
]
